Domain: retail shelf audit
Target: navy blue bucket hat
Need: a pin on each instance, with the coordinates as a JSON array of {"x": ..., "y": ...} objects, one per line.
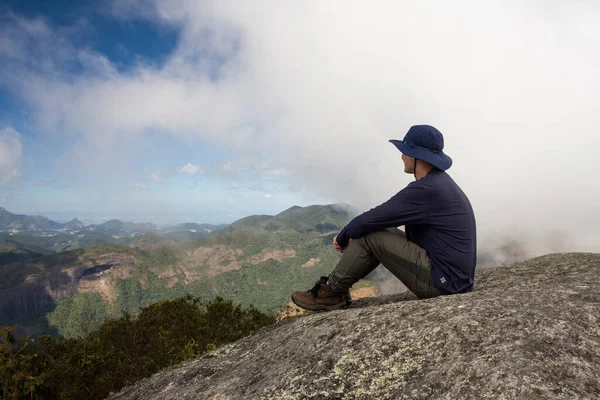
[{"x": 426, "y": 143}]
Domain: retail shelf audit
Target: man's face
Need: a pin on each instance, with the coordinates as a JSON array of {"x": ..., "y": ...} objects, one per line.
[{"x": 409, "y": 164}]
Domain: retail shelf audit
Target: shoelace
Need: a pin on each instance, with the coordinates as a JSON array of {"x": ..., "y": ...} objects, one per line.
[{"x": 315, "y": 290}]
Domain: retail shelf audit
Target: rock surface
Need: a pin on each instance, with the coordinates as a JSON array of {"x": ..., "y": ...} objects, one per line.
[{"x": 530, "y": 330}]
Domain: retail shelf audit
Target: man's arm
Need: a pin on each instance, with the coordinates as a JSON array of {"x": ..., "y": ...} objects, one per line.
[{"x": 408, "y": 206}]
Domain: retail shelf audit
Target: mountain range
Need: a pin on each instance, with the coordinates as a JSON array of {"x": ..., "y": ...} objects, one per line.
[
  {"x": 257, "y": 260},
  {"x": 38, "y": 235}
]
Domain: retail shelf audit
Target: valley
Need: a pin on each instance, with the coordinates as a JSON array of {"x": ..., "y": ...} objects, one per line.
[{"x": 258, "y": 260}]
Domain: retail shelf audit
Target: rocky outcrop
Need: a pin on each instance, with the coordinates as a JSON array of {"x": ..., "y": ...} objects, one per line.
[
  {"x": 215, "y": 260},
  {"x": 38, "y": 293},
  {"x": 311, "y": 263},
  {"x": 278, "y": 255},
  {"x": 530, "y": 330}
]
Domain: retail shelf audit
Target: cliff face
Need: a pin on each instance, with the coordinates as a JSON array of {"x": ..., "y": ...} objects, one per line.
[
  {"x": 41, "y": 289},
  {"x": 530, "y": 330}
]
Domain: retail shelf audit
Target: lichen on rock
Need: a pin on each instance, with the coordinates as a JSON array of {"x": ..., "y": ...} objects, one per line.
[{"x": 530, "y": 330}]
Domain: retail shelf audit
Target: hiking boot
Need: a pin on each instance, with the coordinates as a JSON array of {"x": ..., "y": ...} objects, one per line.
[
  {"x": 320, "y": 297},
  {"x": 346, "y": 293}
]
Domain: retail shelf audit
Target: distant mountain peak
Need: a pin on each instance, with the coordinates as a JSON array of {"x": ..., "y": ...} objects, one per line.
[
  {"x": 112, "y": 221},
  {"x": 290, "y": 210},
  {"x": 74, "y": 223}
]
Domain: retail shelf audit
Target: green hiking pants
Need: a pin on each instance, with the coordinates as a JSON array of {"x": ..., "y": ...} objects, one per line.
[{"x": 389, "y": 247}]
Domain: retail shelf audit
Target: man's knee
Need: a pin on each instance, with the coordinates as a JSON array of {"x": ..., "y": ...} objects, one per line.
[{"x": 383, "y": 237}]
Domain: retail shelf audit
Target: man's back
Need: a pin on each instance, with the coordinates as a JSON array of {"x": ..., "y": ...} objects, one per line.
[{"x": 447, "y": 232}]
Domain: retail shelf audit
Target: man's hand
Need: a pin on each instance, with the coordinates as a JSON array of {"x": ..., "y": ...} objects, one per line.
[{"x": 337, "y": 246}]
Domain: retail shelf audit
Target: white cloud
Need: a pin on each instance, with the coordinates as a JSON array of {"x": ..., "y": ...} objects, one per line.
[
  {"x": 11, "y": 151},
  {"x": 142, "y": 186},
  {"x": 42, "y": 183},
  {"x": 190, "y": 169},
  {"x": 249, "y": 168},
  {"x": 156, "y": 177},
  {"x": 277, "y": 172},
  {"x": 321, "y": 88},
  {"x": 34, "y": 54},
  {"x": 268, "y": 195}
]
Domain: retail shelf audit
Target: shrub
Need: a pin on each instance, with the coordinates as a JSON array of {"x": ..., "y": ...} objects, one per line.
[
  {"x": 122, "y": 350},
  {"x": 19, "y": 373}
]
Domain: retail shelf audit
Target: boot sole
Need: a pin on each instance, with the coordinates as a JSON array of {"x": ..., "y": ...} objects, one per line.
[{"x": 320, "y": 308}]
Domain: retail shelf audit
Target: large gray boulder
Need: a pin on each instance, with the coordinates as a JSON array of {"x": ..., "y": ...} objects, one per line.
[{"x": 530, "y": 330}]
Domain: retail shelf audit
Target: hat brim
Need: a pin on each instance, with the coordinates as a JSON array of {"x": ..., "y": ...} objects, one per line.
[{"x": 439, "y": 160}]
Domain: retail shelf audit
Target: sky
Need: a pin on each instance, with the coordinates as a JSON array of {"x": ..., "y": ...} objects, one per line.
[{"x": 213, "y": 110}]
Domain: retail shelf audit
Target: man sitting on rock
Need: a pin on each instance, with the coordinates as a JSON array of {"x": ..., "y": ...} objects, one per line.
[{"x": 437, "y": 254}]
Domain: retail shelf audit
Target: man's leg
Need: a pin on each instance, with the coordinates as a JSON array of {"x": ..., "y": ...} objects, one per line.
[
  {"x": 355, "y": 264},
  {"x": 407, "y": 261}
]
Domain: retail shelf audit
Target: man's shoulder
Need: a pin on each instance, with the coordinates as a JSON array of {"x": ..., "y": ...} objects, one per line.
[
  {"x": 434, "y": 179},
  {"x": 439, "y": 185},
  {"x": 441, "y": 179},
  {"x": 436, "y": 183}
]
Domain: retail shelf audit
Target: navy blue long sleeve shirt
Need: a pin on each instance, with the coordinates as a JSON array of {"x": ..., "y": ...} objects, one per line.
[{"x": 438, "y": 217}]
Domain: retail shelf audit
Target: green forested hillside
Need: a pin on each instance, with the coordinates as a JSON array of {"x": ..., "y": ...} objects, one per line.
[
  {"x": 12, "y": 254},
  {"x": 59, "y": 242},
  {"x": 256, "y": 261},
  {"x": 24, "y": 243}
]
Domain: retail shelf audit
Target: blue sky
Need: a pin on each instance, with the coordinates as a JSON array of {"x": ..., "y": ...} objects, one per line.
[{"x": 60, "y": 174}]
